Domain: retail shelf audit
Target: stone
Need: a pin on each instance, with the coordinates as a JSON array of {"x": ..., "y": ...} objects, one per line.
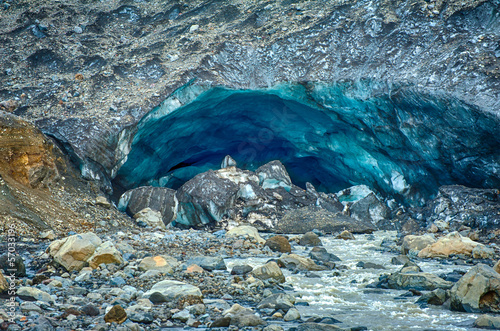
[
  {"x": 103, "y": 202},
  {"x": 27, "y": 307},
  {"x": 436, "y": 297},
  {"x": 270, "y": 270},
  {"x": 4, "y": 284},
  {"x": 18, "y": 266},
  {"x": 194, "y": 268},
  {"x": 310, "y": 239},
  {"x": 209, "y": 263},
  {"x": 90, "y": 310},
  {"x": 410, "y": 279},
  {"x": 246, "y": 231},
  {"x": 400, "y": 259},
  {"x": 160, "y": 199},
  {"x": 346, "y": 235},
  {"x": 487, "y": 322},
  {"x": 369, "y": 265},
  {"x": 320, "y": 254},
  {"x": 227, "y": 162},
  {"x": 182, "y": 315},
  {"x": 273, "y": 327},
  {"x": 193, "y": 28},
  {"x": 149, "y": 217},
  {"x": 483, "y": 252},
  {"x": 477, "y": 291},
  {"x": 297, "y": 262},
  {"x": 496, "y": 267},
  {"x": 292, "y": 315},
  {"x": 172, "y": 290},
  {"x": 34, "y": 293},
  {"x": 279, "y": 244},
  {"x": 241, "y": 269},
  {"x": 306, "y": 219},
  {"x": 222, "y": 322},
  {"x": 73, "y": 252},
  {"x": 161, "y": 263},
  {"x": 106, "y": 253},
  {"x": 49, "y": 234},
  {"x": 369, "y": 209},
  {"x": 416, "y": 243},
  {"x": 246, "y": 319},
  {"x": 116, "y": 315},
  {"x": 452, "y": 243},
  {"x": 283, "y": 301}
]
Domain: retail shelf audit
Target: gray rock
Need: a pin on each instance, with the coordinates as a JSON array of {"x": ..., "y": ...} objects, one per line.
[
  {"x": 308, "y": 218},
  {"x": 182, "y": 315},
  {"x": 228, "y": 162},
  {"x": 369, "y": 210},
  {"x": 421, "y": 281},
  {"x": 292, "y": 315},
  {"x": 310, "y": 239},
  {"x": 273, "y": 175},
  {"x": 400, "y": 259},
  {"x": 277, "y": 301},
  {"x": 270, "y": 270},
  {"x": 436, "y": 297},
  {"x": 209, "y": 263},
  {"x": 241, "y": 269},
  {"x": 171, "y": 290},
  {"x": 20, "y": 268},
  {"x": 487, "y": 322},
  {"x": 319, "y": 254},
  {"x": 161, "y": 199}
]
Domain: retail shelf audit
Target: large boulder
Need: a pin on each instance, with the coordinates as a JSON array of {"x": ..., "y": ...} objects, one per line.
[
  {"x": 477, "y": 291},
  {"x": 459, "y": 205},
  {"x": 172, "y": 290},
  {"x": 369, "y": 210},
  {"x": 149, "y": 217},
  {"x": 297, "y": 262},
  {"x": 74, "y": 251},
  {"x": 277, "y": 301},
  {"x": 487, "y": 322},
  {"x": 209, "y": 263},
  {"x": 452, "y": 243},
  {"x": 210, "y": 196},
  {"x": 160, "y": 199},
  {"x": 416, "y": 243},
  {"x": 308, "y": 218},
  {"x": 161, "y": 263},
  {"x": 279, "y": 244},
  {"x": 410, "y": 278},
  {"x": 270, "y": 270}
]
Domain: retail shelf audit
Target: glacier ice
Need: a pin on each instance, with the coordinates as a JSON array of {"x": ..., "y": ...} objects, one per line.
[{"x": 398, "y": 141}]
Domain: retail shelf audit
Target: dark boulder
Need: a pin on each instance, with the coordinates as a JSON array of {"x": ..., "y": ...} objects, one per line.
[{"x": 161, "y": 199}]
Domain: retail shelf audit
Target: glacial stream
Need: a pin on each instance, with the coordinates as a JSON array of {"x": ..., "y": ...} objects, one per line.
[{"x": 346, "y": 298}]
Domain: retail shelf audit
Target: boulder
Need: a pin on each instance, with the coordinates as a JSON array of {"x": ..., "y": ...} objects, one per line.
[
  {"x": 369, "y": 209},
  {"x": 410, "y": 278},
  {"x": 297, "y": 262},
  {"x": 436, "y": 297},
  {"x": 477, "y": 291},
  {"x": 416, "y": 243},
  {"x": 241, "y": 269},
  {"x": 273, "y": 175},
  {"x": 487, "y": 322},
  {"x": 452, "y": 243},
  {"x": 149, "y": 217},
  {"x": 283, "y": 301},
  {"x": 73, "y": 252},
  {"x": 400, "y": 259},
  {"x": 270, "y": 270},
  {"x": 496, "y": 267},
  {"x": 106, "y": 253},
  {"x": 305, "y": 219},
  {"x": 172, "y": 290},
  {"x": 246, "y": 231},
  {"x": 279, "y": 244},
  {"x": 161, "y": 263},
  {"x": 210, "y": 196},
  {"x": 160, "y": 199},
  {"x": 320, "y": 254},
  {"x": 209, "y": 263},
  {"x": 292, "y": 315},
  {"x": 346, "y": 235},
  {"x": 242, "y": 317},
  {"x": 310, "y": 239},
  {"x": 227, "y": 162}
]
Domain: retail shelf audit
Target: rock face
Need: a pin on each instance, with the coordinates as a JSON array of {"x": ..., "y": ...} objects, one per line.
[
  {"x": 161, "y": 199},
  {"x": 309, "y": 218},
  {"x": 460, "y": 205},
  {"x": 74, "y": 251},
  {"x": 171, "y": 290},
  {"x": 452, "y": 243},
  {"x": 477, "y": 291}
]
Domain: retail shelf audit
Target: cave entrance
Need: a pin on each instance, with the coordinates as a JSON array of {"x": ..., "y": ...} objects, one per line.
[{"x": 399, "y": 142}]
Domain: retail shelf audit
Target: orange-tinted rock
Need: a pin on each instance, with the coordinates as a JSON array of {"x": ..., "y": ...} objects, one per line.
[
  {"x": 116, "y": 315},
  {"x": 194, "y": 268},
  {"x": 279, "y": 244}
]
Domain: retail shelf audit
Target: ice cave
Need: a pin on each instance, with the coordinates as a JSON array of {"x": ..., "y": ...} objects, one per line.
[{"x": 398, "y": 140}]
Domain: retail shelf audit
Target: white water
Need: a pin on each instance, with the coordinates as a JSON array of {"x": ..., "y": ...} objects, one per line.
[{"x": 346, "y": 298}]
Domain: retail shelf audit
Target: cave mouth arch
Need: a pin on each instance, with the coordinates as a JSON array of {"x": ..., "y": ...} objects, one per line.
[{"x": 398, "y": 141}]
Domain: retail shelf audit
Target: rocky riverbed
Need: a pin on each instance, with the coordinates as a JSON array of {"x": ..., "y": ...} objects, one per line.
[{"x": 168, "y": 278}]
